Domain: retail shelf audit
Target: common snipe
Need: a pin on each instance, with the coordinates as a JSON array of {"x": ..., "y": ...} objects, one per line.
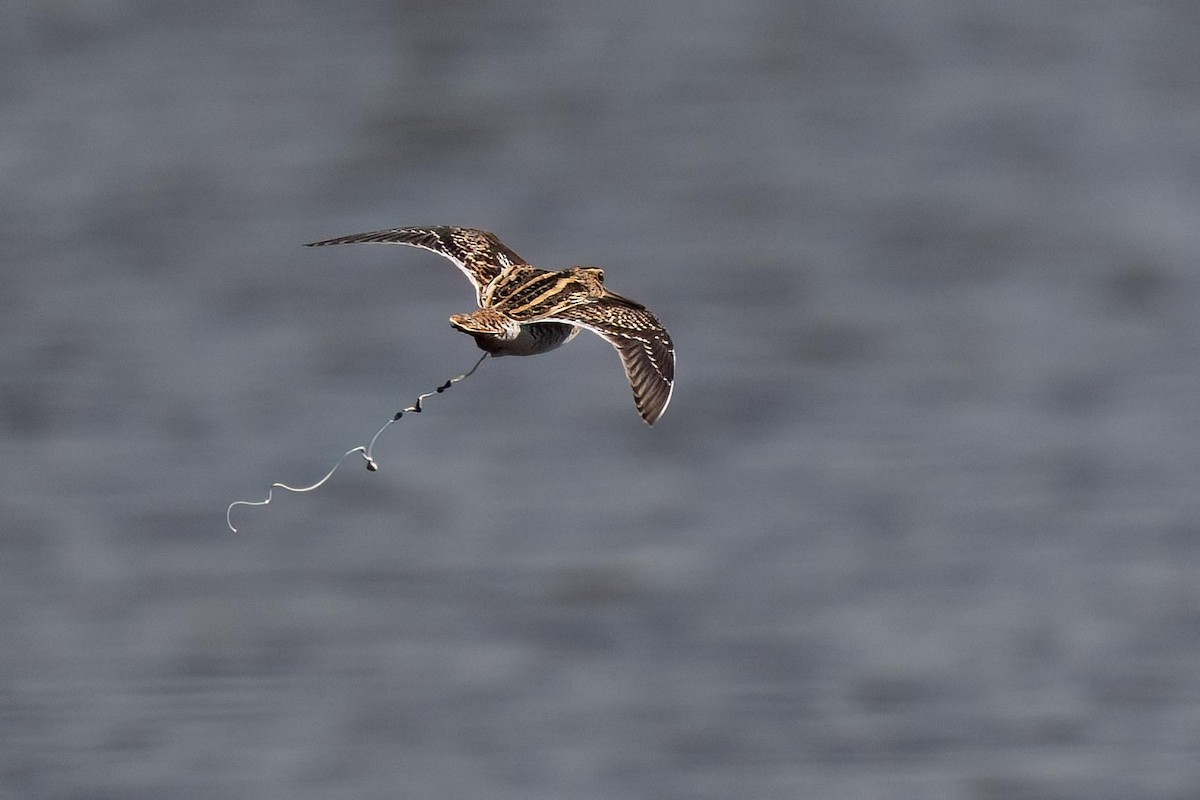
[{"x": 525, "y": 311}]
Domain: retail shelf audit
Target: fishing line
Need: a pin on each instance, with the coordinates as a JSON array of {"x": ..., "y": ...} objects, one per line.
[{"x": 366, "y": 452}]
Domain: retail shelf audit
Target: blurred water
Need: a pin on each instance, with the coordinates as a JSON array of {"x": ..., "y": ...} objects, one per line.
[{"x": 921, "y": 521}]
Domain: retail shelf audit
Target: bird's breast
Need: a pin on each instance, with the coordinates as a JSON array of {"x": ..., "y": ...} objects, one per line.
[{"x": 534, "y": 339}]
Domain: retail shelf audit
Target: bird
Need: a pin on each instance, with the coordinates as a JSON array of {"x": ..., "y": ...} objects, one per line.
[{"x": 525, "y": 311}]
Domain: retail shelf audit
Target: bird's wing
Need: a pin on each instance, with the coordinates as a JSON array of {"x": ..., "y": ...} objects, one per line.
[
  {"x": 479, "y": 254},
  {"x": 643, "y": 343}
]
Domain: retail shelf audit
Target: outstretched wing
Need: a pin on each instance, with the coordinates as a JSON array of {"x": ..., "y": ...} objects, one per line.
[
  {"x": 643, "y": 343},
  {"x": 479, "y": 254}
]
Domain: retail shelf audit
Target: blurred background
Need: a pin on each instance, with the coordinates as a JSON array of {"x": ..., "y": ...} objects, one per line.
[{"x": 921, "y": 522}]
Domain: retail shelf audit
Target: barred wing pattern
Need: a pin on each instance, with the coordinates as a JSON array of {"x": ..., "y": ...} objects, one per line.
[
  {"x": 479, "y": 254},
  {"x": 643, "y": 343},
  {"x": 548, "y": 307}
]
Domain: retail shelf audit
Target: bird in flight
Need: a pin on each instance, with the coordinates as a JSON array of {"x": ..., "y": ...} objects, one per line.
[{"x": 525, "y": 311}]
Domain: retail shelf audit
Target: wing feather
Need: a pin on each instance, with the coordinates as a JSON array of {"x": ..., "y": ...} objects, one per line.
[
  {"x": 479, "y": 254},
  {"x": 641, "y": 340}
]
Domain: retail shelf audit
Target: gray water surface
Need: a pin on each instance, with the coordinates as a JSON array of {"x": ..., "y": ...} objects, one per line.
[{"x": 922, "y": 520}]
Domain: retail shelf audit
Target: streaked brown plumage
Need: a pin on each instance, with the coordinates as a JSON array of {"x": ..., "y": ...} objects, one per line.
[{"x": 525, "y": 311}]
